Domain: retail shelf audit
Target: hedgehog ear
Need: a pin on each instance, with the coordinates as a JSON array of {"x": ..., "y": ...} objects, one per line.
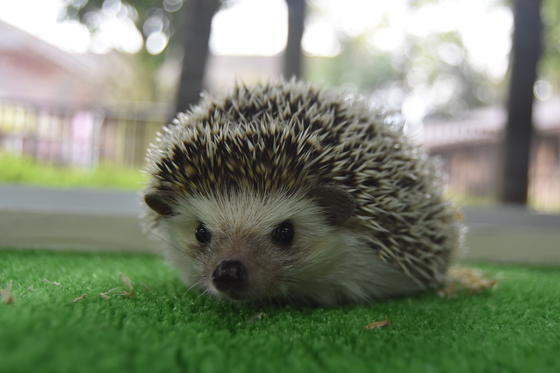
[
  {"x": 337, "y": 203},
  {"x": 160, "y": 201}
]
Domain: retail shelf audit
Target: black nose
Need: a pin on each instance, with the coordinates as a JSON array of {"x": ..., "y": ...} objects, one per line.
[{"x": 230, "y": 275}]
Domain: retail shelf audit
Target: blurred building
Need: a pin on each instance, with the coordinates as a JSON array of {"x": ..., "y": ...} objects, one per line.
[
  {"x": 34, "y": 70},
  {"x": 470, "y": 151},
  {"x": 60, "y": 107}
]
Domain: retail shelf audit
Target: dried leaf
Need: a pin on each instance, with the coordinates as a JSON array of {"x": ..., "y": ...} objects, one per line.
[
  {"x": 6, "y": 293},
  {"x": 126, "y": 293},
  {"x": 106, "y": 294},
  {"x": 126, "y": 281},
  {"x": 378, "y": 324},
  {"x": 81, "y": 297},
  {"x": 55, "y": 283},
  {"x": 461, "y": 279}
]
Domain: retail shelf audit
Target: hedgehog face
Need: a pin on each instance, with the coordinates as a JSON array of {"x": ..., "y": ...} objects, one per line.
[{"x": 244, "y": 246}]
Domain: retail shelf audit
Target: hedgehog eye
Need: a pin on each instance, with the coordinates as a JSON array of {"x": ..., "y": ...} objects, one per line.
[
  {"x": 202, "y": 234},
  {"x": 283, "y": 234}
]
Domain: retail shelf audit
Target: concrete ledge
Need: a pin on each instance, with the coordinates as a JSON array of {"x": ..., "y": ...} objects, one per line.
[
  {"x": 534, "y": 247},
  {"x": 74, "y": 201},
  {"x": 65, "y": 231},
  {"x": 94, "y": 220},
  {"x": 71, "y": 219},
  {"x": 509, "y": 217}
]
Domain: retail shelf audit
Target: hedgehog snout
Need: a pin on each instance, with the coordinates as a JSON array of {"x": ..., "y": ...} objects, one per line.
[{"x": 230, "y": 277}]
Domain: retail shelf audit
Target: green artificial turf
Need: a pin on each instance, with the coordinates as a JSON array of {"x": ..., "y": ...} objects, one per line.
[{"x": 514, "y": 327}]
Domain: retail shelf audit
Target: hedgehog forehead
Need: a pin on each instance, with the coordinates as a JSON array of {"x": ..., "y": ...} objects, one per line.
[
  {"x": 247, "y": 211},
  {"x": 263, "y": 156}
]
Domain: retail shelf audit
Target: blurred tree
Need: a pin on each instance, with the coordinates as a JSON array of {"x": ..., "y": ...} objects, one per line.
[
  {"x": 526, "y": 51},
  {"x": 197, "y": 16},
  {"x": 357, "y": 65},
  {"x": 437, "y": 65},
  {"x": 182, "y": 27},
  {"x": 293, "y": 56}
]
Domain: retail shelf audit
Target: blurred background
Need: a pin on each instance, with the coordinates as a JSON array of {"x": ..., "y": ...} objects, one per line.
[{"x": 85, "y": 84}]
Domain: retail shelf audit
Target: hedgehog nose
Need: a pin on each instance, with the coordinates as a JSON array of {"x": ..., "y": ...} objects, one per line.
[{"x": 230, "y": 275}]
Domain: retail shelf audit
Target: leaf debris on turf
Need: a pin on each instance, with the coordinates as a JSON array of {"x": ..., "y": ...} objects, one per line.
[
  {"x": 461, "y": 279},
  {"x": 378, "y": 324},
  {"x": 107, "y": 294},
  {"x": 81, "y": 297},
  {"x": 126, "y": 281},
  {"x": 130, "y": 293},
  {"x": 126, "y": 293},
  {"x": 55, "y": 283},
  {"x": 6, "y": 293}
]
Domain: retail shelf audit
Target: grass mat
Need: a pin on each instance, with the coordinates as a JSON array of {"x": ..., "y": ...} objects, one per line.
[{"x": 163, "y": 328}]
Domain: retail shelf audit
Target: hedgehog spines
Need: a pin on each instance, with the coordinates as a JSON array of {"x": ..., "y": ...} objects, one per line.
[{"x": 290, "y": 135}]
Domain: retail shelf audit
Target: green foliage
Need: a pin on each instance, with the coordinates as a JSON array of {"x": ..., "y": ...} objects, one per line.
[
  {"x": 27, "y": 171},
  {"x": 139, "y": 12},
  {"x": 550, "y": 63},
  {"x": 164, "y": 328},
  {"x": 456, "y": 85},
  {"x": 357, "y": 65}
]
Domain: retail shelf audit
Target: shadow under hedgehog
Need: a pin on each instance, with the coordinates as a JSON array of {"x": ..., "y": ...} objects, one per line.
[{"x": 285, "y": 192}]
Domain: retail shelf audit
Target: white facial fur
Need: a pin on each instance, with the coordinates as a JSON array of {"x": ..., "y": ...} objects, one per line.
[{"x": 325, "y": 264}]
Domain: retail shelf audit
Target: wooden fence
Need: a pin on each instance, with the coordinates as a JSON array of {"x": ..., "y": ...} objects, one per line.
[{"x": 79, "y": 135}]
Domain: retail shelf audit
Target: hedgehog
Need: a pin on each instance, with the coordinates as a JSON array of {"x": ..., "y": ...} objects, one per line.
[{"x": 286, "y": 192}]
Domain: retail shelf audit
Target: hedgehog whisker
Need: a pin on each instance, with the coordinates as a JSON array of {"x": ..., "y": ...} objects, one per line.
[
  {"x": 196, "y": 283},
  {"x": 203, "y": 293}
]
